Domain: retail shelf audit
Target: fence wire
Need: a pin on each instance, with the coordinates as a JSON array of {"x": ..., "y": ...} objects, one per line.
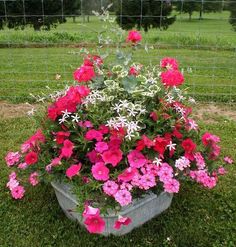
[{"x": 35, "y": 58}]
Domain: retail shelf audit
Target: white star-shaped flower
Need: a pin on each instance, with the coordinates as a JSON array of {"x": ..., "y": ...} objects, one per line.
[
  {"x": 171, "y": 146},
  {"x": 75, "y": 118},
  {"x": 157, "y": 161}
]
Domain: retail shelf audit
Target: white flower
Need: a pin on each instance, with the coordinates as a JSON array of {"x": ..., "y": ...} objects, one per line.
[
  {"x": 171, "y": 146},
  {"x": 157, "y": 161},
  {"x": 66, "y": 114},
  {"x": 31, "y": 112},
  {"x": 75, "y": 118}
]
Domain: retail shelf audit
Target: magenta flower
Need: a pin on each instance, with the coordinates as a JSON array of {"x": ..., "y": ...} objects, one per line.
[
  {"x": 136, "y": 159},
  {"x": 101, "y": 147},
  {"x": 22, "y": 166},
  {"x": 94, "y": 224},
  {"x": 112, "y": 157},
  {"x": 100, "y": 171},
  {"x": 18, "y": 192},
  {"x": 94, "y": 157},
  {"x": 121, "y": 221},
  {"x": 147, "y": 181},
  {"x": 12, "y": 158},
  {"x": 73, "y": 170},
  {"x": 67, "y": 149},
  {"x": 165, "y": 173},
  {"x": 110, "y": 187},
  {"x": 123, "y": 197},
  {"x": 134, "y": 37},
  {"x": 94, "y": 135},
  {"x": 221, "y": 171},
  {"x": 169, "y": 63},
  {"x": 128, "y": 174},
  {"x": 84, "y": 73},
  {"x": 34, "y": 178},
  {"x": 31, "y": 158}
]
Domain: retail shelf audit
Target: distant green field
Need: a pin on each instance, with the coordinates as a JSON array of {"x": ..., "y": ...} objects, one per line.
[{"x": 213, "y": 32}]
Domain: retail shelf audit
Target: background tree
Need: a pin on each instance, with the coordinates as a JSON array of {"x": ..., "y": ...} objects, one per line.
[
  {"x": 144, "y": 14},
  {"x": 36, "y": 13},
  {"x": 232, "y": 9},
  {"x": 201, "y": 6}
]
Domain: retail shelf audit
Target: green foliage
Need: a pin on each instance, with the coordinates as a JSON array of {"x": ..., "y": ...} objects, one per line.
[
  {"x": 232, "y": 9},
  {"x": 36, "y": 13},
  {"x": 189, "y": 6},
  {"x": 144, "y": 14}
]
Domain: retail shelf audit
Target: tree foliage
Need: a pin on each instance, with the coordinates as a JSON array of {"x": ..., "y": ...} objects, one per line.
[
  {"x": 36, "y": 13},
  {"x": 144, "y": 14},
  {"x": 201, "y": 6},
  {"x": 232, "y": 9}
]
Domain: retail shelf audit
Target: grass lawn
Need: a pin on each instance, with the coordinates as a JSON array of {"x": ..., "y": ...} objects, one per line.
[
  {"x": 197, "y": 217},
  {"x": 209, "y": 74}
]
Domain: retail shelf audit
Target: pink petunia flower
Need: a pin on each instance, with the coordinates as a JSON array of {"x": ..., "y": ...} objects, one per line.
[
  {"x": 221, "y": 171},
  {"x": 123, "y": 197},
  {"x": 199, "y": 161},
  {"x": 18, "y": 192},
  {"x": 34, "y": 178},
  {"x": 94, "y": 157},
  {"x": 94, "y": 224},
  {"x": 228, "y": 160},
  {"x": 112, "y": 156},
  {"x": 90, "y": 211},
  {"x": 147, "y": 181},
  {"x": 23, "y": 166},
  {"x": 100, "y": 171},
  {"x": 110, "y": 187},
  {"x": 182, "y": 163},
  {"x": 12, "y": 158},
  {"x": 165, "y": 173},
  {"x": 73, "y": 170},
  {"x": 136, "y": 159},
  {"x": 122, "y": 221},
  {"x": 172, "y": 186}
]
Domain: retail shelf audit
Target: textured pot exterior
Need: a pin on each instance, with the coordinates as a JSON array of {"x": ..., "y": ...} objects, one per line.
[{"x": 140, "y": 211}]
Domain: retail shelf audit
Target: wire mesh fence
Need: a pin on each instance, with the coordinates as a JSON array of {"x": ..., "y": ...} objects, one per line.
[{"x": 40, "y": 42}]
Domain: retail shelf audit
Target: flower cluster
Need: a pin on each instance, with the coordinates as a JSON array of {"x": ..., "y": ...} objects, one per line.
[{"x": 119, "y": 132}]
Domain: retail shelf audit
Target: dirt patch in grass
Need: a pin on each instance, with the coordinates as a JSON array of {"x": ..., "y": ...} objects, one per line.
[
  {"x": 208, "y": 112},
  {"x": 211, "y": 113},
  {"x": 8, "y": 110}
]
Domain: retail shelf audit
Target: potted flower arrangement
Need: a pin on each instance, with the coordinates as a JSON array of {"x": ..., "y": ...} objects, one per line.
[{"x": 117, "y": 144}]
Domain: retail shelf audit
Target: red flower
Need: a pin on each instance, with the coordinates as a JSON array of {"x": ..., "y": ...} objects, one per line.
[
  {"x": 169, "y": 63},
  {"x": 128, "y": 174},
  {"x": 171, "y": 78},
  {"x": 84, "y": 73},
  {"x": 160, "y": 145},
  {"x": 91, "y": 60},
  {"x": 73, "y": 170},
  {"x": 189, "y": 147},
  {"x": 133, "y": 71},
  {"x": 134, "y": 37},
  {"x": 94, "y": 135},
  {"x": 153, "y": 116},
  {"x": 31, "y": 158},
  {"x": 112, "y": 156},
  {"x": 61, "y": 136}
]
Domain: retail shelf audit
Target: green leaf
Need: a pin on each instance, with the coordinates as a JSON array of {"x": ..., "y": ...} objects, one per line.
[{"x": 129, "y": 83}]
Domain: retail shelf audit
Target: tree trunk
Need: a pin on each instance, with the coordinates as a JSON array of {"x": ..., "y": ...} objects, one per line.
[
  {"x": 190, "y": 16},
  {"x": 74, "y": 20},
  {"x": 200, "y": 15},
  {"x": 88, "y": 18}
]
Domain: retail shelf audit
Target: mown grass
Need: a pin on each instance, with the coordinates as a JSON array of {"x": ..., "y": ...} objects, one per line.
[
  {"x": 210, "y": 75},
  {"x": 213, "y": 32},
  {"x": 197, "y": 217}
]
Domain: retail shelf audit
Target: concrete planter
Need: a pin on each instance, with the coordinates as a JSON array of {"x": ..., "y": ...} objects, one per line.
[{"x": 140, "y": 211}]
